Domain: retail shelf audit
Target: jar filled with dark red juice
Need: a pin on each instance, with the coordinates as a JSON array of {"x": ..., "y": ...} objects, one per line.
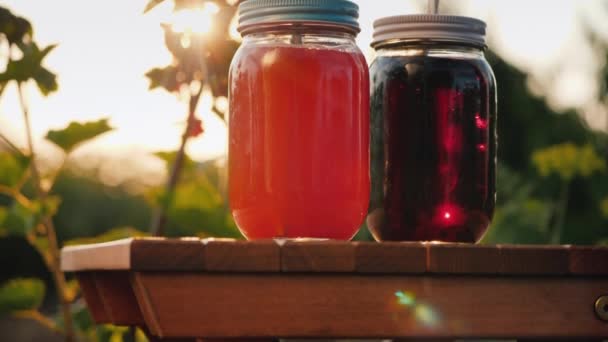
[
  {"x": 433, "y": 130},
  {"x": 299, "y": 121}
]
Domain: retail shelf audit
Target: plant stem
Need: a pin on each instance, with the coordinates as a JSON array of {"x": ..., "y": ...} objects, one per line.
[
  {"x": 11, "y": 145},
  {"x": 58, "y": 276},
  {"x": 160, "y": 218},
  {"x": 16, "y": 195},
  {"x": 561, "y": 209}
]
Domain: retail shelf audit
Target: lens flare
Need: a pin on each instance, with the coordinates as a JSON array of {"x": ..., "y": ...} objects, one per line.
[
  {"x": 448, "y": 215},
  {"x": 195, "y": 21},
  {"x": 405, "y": 298},
  {"x": 426, "y": 315},
  {"x": 422, "y": 312}
]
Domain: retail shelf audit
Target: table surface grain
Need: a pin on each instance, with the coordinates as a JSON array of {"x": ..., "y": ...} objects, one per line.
[{"x": 284, "y": 256}]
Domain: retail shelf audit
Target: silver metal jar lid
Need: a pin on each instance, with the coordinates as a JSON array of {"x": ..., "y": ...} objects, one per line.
[
  {"x": 429, "y": 27},
  {"x": 339, "y": 13}
]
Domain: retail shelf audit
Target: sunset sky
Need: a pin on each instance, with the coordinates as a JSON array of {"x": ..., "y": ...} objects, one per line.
[{"x": 106, "y": 47}]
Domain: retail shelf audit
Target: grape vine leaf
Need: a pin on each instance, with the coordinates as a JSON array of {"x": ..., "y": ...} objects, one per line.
[{"x": 77, "y": 133}]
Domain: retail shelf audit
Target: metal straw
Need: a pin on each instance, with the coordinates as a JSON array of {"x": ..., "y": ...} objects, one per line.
[{"x": 433, "y": 6}]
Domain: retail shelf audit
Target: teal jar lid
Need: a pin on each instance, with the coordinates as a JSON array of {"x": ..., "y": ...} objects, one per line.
[{"x": 337, "y": 13}]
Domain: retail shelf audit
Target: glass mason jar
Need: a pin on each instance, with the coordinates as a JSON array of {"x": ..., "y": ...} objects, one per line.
[
  {"x": 433, "y": 130},
  {"x": 299, "y": 121}
]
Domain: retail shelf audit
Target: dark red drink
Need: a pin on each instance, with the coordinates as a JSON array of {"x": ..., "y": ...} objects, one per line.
[{"x": 433, "y": 148}]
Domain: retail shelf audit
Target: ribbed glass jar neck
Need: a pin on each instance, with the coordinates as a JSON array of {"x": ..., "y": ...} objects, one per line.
[
  {"x": 301, "y": 28},
  {"x": 300, "y": 35},
  {"x": 433, "y": 49}
]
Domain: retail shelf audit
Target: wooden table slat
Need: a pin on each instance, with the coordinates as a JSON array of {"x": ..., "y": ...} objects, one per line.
[
  {"x": 242, "y": 256},
  {"x": 227, "y": 255},
  {"x": 534, "y": 260},
  {"x": 589, "y": 261},
  {"x": 388, "y": 306},
  {"x": 116, "y": 293},
  {"x": 463, "y": 259},
  {"x": 94, "y": 301},
  {"x": 115, "y": 255},
  {"x": 168, "y": 254},
  {"x": 391, "y": 257},
  {"x": 317, "y": 256},
  {"x": 220, "y": 288}
]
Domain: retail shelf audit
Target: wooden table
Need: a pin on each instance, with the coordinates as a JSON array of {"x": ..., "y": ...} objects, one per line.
[{"x": 214, "y": 288}]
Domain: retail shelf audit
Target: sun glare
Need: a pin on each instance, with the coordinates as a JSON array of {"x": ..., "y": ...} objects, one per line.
[{"x": 196, "y": 20}]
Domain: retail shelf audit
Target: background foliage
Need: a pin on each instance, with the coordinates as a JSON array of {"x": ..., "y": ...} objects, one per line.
[{"x": 552, "y": 184}]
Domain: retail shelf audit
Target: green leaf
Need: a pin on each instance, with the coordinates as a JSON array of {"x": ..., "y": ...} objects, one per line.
[
  {"x": 77, "y": 133},
  {"x": 46, "y": 81},
  {"x": 14, "y": 28},
  {"x": 12, "y": 168},
  {"x": 168, "y": 78},
  {"x": 30, "y": 67},
  {"x": 3, "y": 214},
  {"x": 19, "y": 220},
  {"x": 169, "y": 158},
  {"x": 197, "y": 193},
  {"x": 81, "y": 316},
  {"x": 49, "y": 206},
  {"x": 110, "y": 235},
  {"x": 21, "y": 294},
  {"x": 520, "y": 222},
  {"x": 604, "y": 207},
  {"x": 151, "y": 4},
  {"x": 41, "y": 244},
  {"x": 568, "y": 161}
]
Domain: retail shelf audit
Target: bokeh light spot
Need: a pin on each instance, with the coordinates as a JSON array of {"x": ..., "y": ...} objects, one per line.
[
  {"x": 405, "y": 298},
  {"x": 426, "y": 315},
  {"x": 480, "y": 123}
]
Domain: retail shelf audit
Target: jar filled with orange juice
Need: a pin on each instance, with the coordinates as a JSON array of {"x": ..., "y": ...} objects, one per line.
[{"x": 299, "y": 121}]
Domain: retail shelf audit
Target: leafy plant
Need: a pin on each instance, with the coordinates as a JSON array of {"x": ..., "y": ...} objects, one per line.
[
  {"x": 31, "y": 216},
  {"x": 21, "y": 295},
  {"x": 604, "y": 207},
  {"x": 200, "y": 61},
  {"x": 566, "y": 161},
  {"x": 76, "y": 133}
]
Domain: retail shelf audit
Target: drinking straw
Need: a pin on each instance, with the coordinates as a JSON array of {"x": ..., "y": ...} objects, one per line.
[{"x": 433, "y": 6}]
